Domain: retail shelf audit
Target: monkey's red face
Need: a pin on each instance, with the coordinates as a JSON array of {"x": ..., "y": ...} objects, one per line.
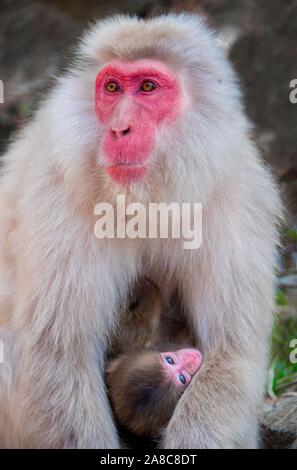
[
  {"x": 181, "y": 365},
  {"x": 133, "y": 99}
]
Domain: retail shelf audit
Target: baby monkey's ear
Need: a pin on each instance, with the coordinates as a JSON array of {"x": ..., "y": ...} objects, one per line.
[{"x": 112, "y": 366}]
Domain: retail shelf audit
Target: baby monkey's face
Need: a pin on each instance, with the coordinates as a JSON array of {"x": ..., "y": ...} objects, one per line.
[
  {"x": 145, "y": 386},
  {"x": 180, "y": 366}
]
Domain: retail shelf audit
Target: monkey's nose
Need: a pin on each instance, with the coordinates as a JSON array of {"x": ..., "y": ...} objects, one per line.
[
  {"x": 118, "y": 133},
  {"x": 192, "y": 360}
]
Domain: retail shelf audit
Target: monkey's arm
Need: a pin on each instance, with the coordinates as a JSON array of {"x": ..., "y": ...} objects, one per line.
[
  {"x": 218, "y": 410},
  {"x": 229, "y": 294},
  {"x": 61, "y": 309}
]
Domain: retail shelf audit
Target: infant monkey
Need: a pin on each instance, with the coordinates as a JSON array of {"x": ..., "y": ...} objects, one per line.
[{"x": 144, "y": 384}]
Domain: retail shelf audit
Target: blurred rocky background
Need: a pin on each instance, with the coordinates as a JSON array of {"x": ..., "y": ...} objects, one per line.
[{"x": 260, "y": 38}]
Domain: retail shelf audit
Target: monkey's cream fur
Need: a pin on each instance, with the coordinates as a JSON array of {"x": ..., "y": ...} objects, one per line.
[{"x": 61, "y": 287}]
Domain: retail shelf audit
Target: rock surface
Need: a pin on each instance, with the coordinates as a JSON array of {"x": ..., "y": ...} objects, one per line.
[
  {"x": 35, "y": 37},
  {"x": 279, "y": 423}
]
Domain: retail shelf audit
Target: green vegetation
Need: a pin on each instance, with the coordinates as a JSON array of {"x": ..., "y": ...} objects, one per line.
[{"x": 283, "y": 374}]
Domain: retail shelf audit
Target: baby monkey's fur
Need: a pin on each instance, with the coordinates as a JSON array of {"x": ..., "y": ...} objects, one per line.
[{"x": 143, "y": 398}]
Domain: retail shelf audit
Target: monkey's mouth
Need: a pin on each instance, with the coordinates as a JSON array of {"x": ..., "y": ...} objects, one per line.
[{"x": 127, "y": 172}]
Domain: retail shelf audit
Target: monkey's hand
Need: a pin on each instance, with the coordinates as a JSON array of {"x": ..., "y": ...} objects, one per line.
[{"x": 217, "y": 411}]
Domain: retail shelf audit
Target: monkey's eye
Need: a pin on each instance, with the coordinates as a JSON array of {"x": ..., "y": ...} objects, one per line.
[
  {"x": 169, "y": 360},
  {"x": 148, "y": 86},
  {"x": 182, "y": 379},
  {"x": 134, "y": 305},
  {"x": 112, "y": 87}
]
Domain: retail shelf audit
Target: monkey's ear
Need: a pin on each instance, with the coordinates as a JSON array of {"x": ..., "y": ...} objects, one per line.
[{"x": 112, "y": 366}]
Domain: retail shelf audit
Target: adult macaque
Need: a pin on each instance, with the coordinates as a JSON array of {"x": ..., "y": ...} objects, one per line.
[{"x": 152, "y": 110}]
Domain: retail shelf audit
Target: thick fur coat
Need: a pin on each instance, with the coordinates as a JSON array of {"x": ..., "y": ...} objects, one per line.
[{"x": 61, "y": 287}]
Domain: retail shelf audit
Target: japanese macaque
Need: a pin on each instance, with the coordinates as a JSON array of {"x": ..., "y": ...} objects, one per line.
[
  {"x": 145, "y": 386},
  {"x": 140, "y": 320},
  {"x": 150, "y": 110}
]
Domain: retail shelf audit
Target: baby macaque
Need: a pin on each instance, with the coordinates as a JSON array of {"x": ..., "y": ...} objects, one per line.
[
  {"x": 145, "y": 321},
  {"x": 139, "y": 320},
  {"x": 145, "y": 384}
]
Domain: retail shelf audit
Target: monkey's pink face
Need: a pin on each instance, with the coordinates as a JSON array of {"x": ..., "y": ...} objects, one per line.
[
  {"x": 181, "y": 365},
  {"x": 133, "y": 99}
]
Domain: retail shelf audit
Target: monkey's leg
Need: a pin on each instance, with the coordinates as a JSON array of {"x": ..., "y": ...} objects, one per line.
[
  {"x": 59, "y": 397},
  {"x": 61, "y": 326},
  {"x": 6, "y": 376}
]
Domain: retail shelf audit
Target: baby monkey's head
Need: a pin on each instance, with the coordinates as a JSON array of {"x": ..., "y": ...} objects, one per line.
[{"x": 144, "y": 387}]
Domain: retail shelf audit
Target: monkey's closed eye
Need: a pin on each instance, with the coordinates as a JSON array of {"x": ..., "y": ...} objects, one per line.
[
  {"x": 148, "y": 86},
  {"x": 169, "y": 360}
]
